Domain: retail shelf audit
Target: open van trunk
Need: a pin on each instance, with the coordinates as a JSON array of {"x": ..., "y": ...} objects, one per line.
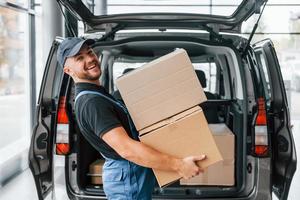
[{"x": 228, "y": 102}]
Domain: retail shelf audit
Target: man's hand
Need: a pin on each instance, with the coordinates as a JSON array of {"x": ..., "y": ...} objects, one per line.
[{"x": 188, "y": 167}]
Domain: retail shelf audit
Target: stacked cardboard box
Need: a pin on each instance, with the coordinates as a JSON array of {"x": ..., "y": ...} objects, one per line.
[
  {"x": 162, "y": 98},
  {"x": 221, "y": 173},
  {"x": 95, "y": 172}
]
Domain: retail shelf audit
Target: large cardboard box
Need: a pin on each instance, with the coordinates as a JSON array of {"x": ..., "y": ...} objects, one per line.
[
  {"x": 95, "y": 172},
  {"x": 182, "y": 135},
  {"x": 160, "y": 89},
  {"x": 221, "y": 173}
]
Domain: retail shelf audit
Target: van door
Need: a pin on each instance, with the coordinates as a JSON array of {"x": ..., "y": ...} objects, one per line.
[
  {"x": 282, "y": 142},
  {"x": 41, "y": 147}
]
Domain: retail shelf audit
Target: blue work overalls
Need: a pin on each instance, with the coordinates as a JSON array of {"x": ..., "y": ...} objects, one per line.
[{"x": 122, "y": 179}]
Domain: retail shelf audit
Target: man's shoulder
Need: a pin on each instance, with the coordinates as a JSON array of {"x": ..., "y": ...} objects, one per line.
[
  {"x": 91, "y": 98},
  {"x": 92, "y": 102}
]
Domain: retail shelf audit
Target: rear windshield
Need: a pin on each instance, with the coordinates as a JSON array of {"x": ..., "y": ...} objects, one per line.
[{"x": 215, "y": 7}]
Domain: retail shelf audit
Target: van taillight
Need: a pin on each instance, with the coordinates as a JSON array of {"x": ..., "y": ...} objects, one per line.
[
  {"x": 261, "y": 146},
  {"x": 62, "y": 129},
  {"x": 262, "y": 115}
]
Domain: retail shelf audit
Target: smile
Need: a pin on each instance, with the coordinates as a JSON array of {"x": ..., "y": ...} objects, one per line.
[{"x": 91, "y": 67}]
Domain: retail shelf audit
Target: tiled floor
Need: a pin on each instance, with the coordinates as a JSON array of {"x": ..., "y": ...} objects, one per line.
[{"x": 20, "y": 187}]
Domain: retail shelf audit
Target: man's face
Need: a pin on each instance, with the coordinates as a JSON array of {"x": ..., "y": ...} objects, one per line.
[{"x": 84, "y": 66}]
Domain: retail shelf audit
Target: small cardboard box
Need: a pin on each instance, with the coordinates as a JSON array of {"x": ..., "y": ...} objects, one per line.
[
  {"x": 160, "y": 89},
  {"x": 95, "y": 172},
  {"x": 182, "y": 135},
  {"x": 221, "y": 173}
]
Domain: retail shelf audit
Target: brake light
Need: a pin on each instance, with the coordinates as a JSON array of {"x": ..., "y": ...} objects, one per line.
[
  {"x": 262, "y": 116},
  {"x": 62, "y": 148},
  {"x": 261, "y": 150},
  {"x": 261, "y": 146},
  {"x": 62, "y": 116},
  {"x": 62, "y": 129}
]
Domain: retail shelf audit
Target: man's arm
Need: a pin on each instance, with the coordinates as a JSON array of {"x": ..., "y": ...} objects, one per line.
[{"x": 146, "y": 156}]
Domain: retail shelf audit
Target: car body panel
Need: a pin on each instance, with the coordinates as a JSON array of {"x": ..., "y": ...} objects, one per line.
[{"x": 41, "y": 148}]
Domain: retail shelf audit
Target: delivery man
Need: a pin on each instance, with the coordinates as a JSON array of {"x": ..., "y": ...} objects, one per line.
[{"x": 107, "y": 126}]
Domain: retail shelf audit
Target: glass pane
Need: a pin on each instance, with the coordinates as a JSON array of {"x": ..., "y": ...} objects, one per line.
[
  {"x": 223, "y": 10},
  {"x": 286, "y": 20},
  {"x": 210, "y": 75},
  {"x": 283, "y": 2},
  {"x": 169, "y": 6},
  {"x": 120, "y": 68},
  {"x": 120, "y": 9},
  {"x": 38, "y": 53},
  {"x": 14, "y": 87},
  {"x": 159, "y": 2},
  {"x": 265, "y": 77},
  {"x": 22, "y": 3},
  {"x": 226, "y": 2}
]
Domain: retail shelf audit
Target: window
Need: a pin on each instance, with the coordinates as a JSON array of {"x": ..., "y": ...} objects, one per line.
[
  {"x": 286, "y": 21},
  {"x": 22, "y": 3},
  {"x": 40, "y": 63},
  {"x": 17, "y": 83},
  {"x": 120, "y": 68},
  {"x": 265, "y": 76},
  {"x": 150, "y": 6},
  {"x": 14, "y": 82},
  {"x": 210, "y": 74}
]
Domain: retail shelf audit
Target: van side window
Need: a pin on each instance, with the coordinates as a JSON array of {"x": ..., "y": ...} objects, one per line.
[
  {"x": 121, "y": 68},
  {"x": 210, "y": 72},
  {"x": 265, "y": 76}
]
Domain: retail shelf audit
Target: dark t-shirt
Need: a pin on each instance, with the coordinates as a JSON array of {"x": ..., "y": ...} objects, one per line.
[{"x": 96, "y": 116}]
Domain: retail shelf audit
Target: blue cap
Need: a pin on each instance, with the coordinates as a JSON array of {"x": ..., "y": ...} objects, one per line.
[{"x": 70, "y": 47}]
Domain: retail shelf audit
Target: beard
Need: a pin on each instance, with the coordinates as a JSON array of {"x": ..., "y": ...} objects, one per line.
[{"x": 91, "y": 76}]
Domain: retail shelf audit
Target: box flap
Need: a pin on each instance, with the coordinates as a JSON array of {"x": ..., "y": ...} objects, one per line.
[{"x": 169, "y": 120}]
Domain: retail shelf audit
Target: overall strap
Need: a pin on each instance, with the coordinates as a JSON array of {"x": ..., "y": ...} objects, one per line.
[
  {"x": 117, "y": 104},
  {"x": 102, "y": 95}
]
